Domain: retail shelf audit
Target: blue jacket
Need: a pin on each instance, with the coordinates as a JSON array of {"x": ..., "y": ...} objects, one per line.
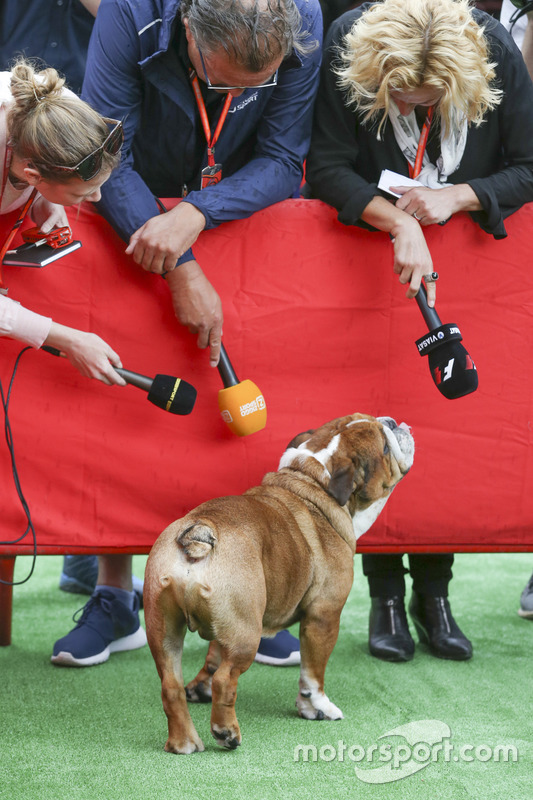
[
  {"x": 133, "y": 74},
  {"x": 57, "y": 34}
]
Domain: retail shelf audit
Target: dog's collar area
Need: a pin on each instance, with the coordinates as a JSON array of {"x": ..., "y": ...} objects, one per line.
[{"x": 322, "y": 456}]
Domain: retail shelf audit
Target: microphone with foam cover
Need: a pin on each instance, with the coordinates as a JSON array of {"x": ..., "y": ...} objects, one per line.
[
  {"x": 450, "y": 364},
  {"x": 164, "y": 391},
  {"x": 241, "y": 403}
]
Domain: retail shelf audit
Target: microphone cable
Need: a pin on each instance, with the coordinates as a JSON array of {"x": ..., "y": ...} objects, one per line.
[{"x": 9, "y": 439}]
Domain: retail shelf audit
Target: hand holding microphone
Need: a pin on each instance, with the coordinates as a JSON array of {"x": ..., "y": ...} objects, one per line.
[
  {"x": 164, "y": 391},
  {"x": 451, "y": 366},
  {"x": 241, "y": 403}
]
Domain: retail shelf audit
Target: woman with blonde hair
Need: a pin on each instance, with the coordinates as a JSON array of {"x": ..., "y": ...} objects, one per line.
[
  {"x": 55, "y": 151},
  {"x": 437, "y": 91},
  {"x": 385, "y": 66}
]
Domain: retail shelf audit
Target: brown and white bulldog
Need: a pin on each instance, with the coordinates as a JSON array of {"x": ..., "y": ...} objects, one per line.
[{"x": 237, "y": 568}]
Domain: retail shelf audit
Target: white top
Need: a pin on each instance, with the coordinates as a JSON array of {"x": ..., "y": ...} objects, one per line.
[
  {"x": 519, "y": 28},
  {"x": 16, "y": 321},
  {"x": 22, "y": 324}
]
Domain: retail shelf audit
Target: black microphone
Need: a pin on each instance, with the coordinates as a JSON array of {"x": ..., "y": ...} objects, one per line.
[
  {"x": 164, "y": 391},
  {"x": 450, "y": 364}
]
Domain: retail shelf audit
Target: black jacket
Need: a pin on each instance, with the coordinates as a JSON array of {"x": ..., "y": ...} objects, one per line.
[{"x": 346, "y": 158}]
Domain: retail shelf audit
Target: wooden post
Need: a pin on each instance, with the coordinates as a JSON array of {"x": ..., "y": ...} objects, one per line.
[{"x": 7, "y": 568}]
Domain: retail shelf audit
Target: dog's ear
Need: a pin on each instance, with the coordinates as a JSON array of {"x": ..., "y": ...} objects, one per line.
[
  {"x": 347, "y": 476},
  {"x": 300, "y": 439},
  {"x": 341, "y": 484}
]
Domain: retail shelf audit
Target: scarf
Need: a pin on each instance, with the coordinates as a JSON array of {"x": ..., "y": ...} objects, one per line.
[{"x": 407, "y": 134}]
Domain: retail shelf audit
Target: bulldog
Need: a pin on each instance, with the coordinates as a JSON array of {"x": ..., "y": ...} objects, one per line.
[{"x": 238, "y": 568}]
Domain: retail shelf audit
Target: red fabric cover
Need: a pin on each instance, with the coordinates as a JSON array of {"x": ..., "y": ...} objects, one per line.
[{"x": 313, "y": 315}]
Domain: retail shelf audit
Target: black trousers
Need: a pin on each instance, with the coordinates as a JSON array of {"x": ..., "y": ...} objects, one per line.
[{"x": 431, "y": 573}]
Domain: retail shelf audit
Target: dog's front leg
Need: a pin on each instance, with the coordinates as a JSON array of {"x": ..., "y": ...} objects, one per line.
[
  {"x": 318, "y": 633},
  {"x": 224, "y": 725}
]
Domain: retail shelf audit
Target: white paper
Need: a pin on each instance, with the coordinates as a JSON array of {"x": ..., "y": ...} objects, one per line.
[{"x": 389, "y": 178}]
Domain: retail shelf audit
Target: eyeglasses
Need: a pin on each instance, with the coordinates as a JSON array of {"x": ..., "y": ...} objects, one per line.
[
  {"x": 273, "y": 81},
  {"x": 91, "y": 165}
]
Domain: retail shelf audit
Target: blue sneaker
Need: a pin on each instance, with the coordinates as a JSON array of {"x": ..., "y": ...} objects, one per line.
[
  {"x": 283, "y": 650},
  {"x": 80, "y": 573},
  {"x": 106, "y": 626}
]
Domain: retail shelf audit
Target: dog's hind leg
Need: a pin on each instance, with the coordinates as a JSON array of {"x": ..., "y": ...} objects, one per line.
[
  {"x": 199, "y": 689},
  {"x": 318, "y": 634},
  {"x": 235, "y": 661},
  {"x": 165, "y": 628}
]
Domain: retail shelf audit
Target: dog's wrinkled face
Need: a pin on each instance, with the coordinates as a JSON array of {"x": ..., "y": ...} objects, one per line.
[{"x": 357, "y": 459}]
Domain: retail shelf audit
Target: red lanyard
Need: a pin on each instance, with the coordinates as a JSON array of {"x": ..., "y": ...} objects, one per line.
[
  {"x": 211, "y": 140},
  {"x": 20, "y": 219},
  {"x": 414, "y": 172}
]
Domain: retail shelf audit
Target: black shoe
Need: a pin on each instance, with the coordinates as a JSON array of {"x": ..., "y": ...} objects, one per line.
[
  {"x": 389, "y": 637},
  {"x": 437, "y": 628}
]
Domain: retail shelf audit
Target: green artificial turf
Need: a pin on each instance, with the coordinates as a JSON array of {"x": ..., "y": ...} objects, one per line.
[{"x": 98, "y": 733}]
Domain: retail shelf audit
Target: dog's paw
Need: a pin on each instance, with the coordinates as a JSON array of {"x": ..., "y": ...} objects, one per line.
[
  {"x": 316, "y": 705},
  {"x": 198, "y": 692},
  {"x": 185, "y": 747},
  {"x": 227, "y": 737}
]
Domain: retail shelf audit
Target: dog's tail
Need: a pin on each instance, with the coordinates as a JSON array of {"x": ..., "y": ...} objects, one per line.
[{"x": 197, "y": 541}]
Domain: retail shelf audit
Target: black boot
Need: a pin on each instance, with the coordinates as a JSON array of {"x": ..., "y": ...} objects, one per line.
[
  {"x": 389, "y": 637},
  {"x": 437, "y": 628}
]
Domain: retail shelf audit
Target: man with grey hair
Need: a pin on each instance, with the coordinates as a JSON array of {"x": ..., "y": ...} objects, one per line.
[
  {"x": 263, "y": 57},
  {"x": 188, "y": 78}
]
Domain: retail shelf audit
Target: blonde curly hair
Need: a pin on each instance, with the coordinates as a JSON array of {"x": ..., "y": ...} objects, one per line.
[{"x": 403, "y": 45}]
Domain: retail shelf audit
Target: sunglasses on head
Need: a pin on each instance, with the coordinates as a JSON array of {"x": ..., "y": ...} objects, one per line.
[{"x": 91, "y": 165}]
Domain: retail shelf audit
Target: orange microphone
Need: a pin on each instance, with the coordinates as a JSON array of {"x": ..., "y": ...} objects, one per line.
[{"x": 241, "y": 403}]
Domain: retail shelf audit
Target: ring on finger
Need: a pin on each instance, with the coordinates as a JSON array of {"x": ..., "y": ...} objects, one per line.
[
  {"x": 415, "y": 215},
  {"x": 431, "y": 277}
]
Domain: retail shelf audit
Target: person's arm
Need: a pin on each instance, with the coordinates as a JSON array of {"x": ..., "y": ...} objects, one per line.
[
  {"x": 86, "y": 351},
  {"x": 113, "y": 85},
  {"x": 332, "y": 176},
  {"x": 21, "y": 324},
  {"x": 197, "y": 306},
  {"x": 431, "y": 206},
  {"x": 272, "y": 174},
  {"x": 331, "y": 167},
  {"x": 93, "y": 357},
  {"x": 412, "y": 259}
]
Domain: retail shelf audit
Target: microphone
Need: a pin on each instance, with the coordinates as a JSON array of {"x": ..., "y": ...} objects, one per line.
[
  {"x": 171, "y": 394},
  {"x": 450, "y": 364},
  {"x": 164, "y": 391},
  {"x": 241, "y": 403}
]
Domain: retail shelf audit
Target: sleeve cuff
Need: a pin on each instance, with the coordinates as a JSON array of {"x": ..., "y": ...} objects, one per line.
[
  {"x": 187, "y": 256},
  {"x": 350, "y": 213},
  {"x": 24, "y": 325}
]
